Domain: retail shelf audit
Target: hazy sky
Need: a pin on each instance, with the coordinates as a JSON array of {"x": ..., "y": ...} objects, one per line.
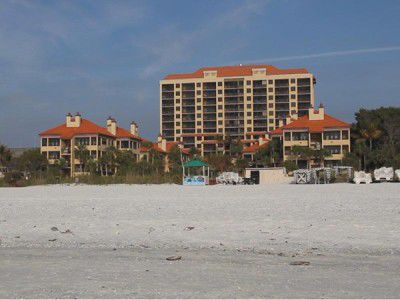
[{"x": 106, "y": 58}]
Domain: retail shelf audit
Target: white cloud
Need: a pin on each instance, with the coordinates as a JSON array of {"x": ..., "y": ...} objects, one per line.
[{"x": 325, "y": 54}]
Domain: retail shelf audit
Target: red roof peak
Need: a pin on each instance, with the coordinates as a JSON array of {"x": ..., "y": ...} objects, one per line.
[{"x": 238, "y": 70}]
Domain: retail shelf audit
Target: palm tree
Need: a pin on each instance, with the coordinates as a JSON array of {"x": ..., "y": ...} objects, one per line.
[
  {"x": 83, "y": 154},
  {"x": 371, "y": 132}
]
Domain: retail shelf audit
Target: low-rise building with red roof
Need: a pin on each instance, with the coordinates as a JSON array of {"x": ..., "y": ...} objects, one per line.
[
  {"x": 65, "y": 140},
  {"x": 317, "y": 130}
]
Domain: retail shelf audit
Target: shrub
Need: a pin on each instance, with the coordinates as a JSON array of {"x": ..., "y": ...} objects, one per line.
[
  {"x": 15, "y": 179},
  {"x": 290, "y": 165}
]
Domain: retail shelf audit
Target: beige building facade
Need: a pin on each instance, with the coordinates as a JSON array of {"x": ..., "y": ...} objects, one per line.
[
  {"x": 316, "y": 130},
  {"x": 63, "y": 141},
  {"x": 211, "y": 104}
]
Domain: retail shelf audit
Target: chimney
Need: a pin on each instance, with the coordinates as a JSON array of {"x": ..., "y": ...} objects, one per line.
[
  {"x": 73, "y": 121},
  {"x": 280, "y": 122},
  {"x": 68, "y": 120},
  {"x": 112, "y": 126},
  {"x": 161, "y": 142},
  {"x": 321, "y": 110},
  {"x": 78, "y": 119},
  {"x": 316, "y": 115},
  {"x": 134, "y": 129}
]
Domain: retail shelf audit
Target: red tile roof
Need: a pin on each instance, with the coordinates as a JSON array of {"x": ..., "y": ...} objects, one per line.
[
  {"x": 254, "y": 148},
  {"x": 231, "y": 71},
  {"x": 123, "y": 133},
  {"x": 86, "y": 127},
  {"x": 312, "y": 125}
]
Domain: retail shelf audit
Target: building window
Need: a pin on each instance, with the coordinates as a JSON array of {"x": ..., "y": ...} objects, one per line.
[
  {"x": 332, "y": 135},
  {"x": 293, "y": 88},
  {"x": 220, "y": 130},
  {"x": 178, "y": 116},
  {"x": 248, "y": 82},
  {"x": 292, "y": 96},
  {"x": 198, "y": 107},
  {"x": 83, "y": 141},
  {"x": 199, "y": 115},
  {"x": 345, "y": 149},
  {"x": 248, "y": 121},
  {"x": 270, "y": 128},
  {"x": 270, "y": 90},
  {"x": 293, "y": 80},
  {"x": 300, "y": 136},
  {"x": 198, "y": 99},
  {"x": 198, "y": 123},
  {"x": 271, "y": 121},
  {"x": 54, "y": 142},
  {"x": 54, "y": 154},
  {"x": 288, "y": 150},
  {"x": 271, "y": 105},
  {"x": 178, "y": 123},
  {"x": 177, "y": 85},
  {"x": 93, "y": 141},
  {"x": 293, "y": 104},
  {"x": 220, "y": 123},
  {"x": 219, "y": 106},
  {"x": 270, "y": 82},
  {"x": 345, "y": 134},
  {"x": 333, "y": 149},
  {"x": 198, "y": 84},
  {"x": 270, "y": 98},
  {"x": 219, "y": 99},
  {"x": 219, "y": 83},
  {"x": 293, "y": 112},
  {"x": 44, "y": 142},
  {"x": 124, "y": 144},
  {"x": 177, "y": 93},
  {"x": 178, "y": 108},
  {"x": 198, "y": 138},
  {"x": 248, "y": 90},
  {"x": 93, "y": 154},
  {"x": 271, "y": 113},
  {"x": 178, "y": 101},
  {"x": 219, "y": 91},
  {"x": 198, "y": 92},
  {"x": 178, "y": 131},
  {"x": 219, "y": 115},
  {"x": 248, "y": 98},
  {"x": 249, "y": 114},
  {"x": 249, "y": 106},
  {"x": 287, "y": 136}
]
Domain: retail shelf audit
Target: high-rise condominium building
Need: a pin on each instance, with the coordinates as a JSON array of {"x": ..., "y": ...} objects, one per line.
[{"x": 241, "y": 102}]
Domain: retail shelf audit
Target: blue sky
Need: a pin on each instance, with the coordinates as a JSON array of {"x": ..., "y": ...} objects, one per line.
[{"x": 106, "y": 58}]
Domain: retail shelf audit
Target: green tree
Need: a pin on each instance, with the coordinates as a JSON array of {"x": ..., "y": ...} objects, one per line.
[
  {"x": 175, "y": 160},
  {"x": 31, "y": 161},
  {"x": 5, "y": 155},
  {"x": 83, "y": 154},
  {"x": 220, "y": 162}
]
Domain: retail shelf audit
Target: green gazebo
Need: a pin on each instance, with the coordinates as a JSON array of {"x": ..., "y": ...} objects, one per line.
[{"x": 196, "y": 172}]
